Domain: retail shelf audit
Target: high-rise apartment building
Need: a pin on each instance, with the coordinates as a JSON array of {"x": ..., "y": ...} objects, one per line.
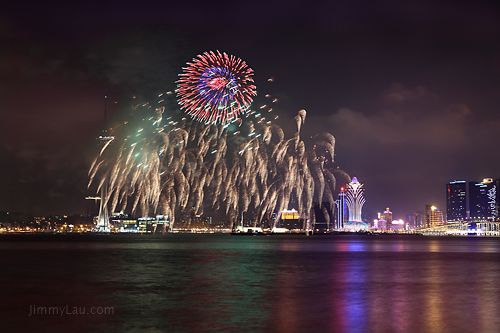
[
  {"x": 478, "y": 209},
  {"x": 456, "y": 201}
]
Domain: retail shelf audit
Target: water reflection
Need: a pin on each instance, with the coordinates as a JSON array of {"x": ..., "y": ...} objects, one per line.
[
  {"x": 434, "y": 291},
  {"x": 355, "y": 296},
  {"x": 286, "y": 284},
  {"x": 286, "y": 310}
]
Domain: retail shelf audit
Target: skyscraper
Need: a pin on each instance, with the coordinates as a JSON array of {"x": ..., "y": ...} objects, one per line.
[
  {"x": 478, "y": 201},
  {"x": 340, "y": 203},
  {"x": 483, "y": 200},
  {"x": 456, "y": 201},
  {"x": 355, "y": 201}
]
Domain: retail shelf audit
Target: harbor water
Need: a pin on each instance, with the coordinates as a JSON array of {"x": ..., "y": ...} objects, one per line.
[{"x": 224, "y": 283}]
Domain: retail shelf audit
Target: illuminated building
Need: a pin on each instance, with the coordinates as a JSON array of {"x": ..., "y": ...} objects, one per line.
[
  {"x": 497, "y": 201},
  {"x": 120, "y": 222},
  {"x": 340, "y": 203},
  {"x": 417, "y": 220},
  {"x": 150, "y": 224},
  {"x": 380, "y": 224},
  {"x": 483, "y": 200},
  {"x": 355, "y": 201},
  {"x": 433, "y": 216},
  {"x": 290, "y": 220},
  {"x": 398, "y": 225},
  {"x": 456, "y": 201},
  {"x": 388, "y": 218}
]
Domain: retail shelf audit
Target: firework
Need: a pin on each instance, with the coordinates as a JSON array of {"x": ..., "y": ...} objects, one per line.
[
  {"x": 164, "y": 167},
  {"x": 158, "y": 166},
  {"x": 216, "y": 88}
]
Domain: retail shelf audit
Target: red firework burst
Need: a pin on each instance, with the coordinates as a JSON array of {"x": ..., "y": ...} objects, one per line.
[{"x": 216, "y": 88}]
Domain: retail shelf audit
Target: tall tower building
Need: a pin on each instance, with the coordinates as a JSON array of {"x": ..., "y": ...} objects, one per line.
[
  {"x": 483, "y": 200},
  {"x": 355, "y": 200},
  {"x": 478, "y": 201},
  {"x": 341, "y": 210},
  {"x": 103, "y": 219},
  {"x": 456, "y": 201}
]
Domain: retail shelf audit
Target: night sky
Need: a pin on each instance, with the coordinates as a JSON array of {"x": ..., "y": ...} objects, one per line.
[{"x": 409, "y": 89}]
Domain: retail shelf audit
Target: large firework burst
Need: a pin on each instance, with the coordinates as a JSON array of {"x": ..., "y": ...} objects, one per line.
[{"x": 216, "y": 88}]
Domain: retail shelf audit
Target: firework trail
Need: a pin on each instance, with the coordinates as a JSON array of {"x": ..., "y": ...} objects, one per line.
[{"x": 167, "y": 166}]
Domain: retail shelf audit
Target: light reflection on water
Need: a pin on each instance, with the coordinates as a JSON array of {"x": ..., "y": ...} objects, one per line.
[{"x": 278, "y": 283}]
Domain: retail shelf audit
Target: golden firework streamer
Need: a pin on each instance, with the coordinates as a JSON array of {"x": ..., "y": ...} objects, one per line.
[
  {"x": 181, "y": 163},
  {"x": 94, "y": 171}
]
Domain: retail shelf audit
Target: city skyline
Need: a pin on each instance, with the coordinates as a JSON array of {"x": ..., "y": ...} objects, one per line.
[{"x": 408, "y": 90}]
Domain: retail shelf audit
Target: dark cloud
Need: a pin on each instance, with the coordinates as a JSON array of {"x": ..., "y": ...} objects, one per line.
[
  {"x": 143, "y": 62},
  {"x": 411, "y": 147}
]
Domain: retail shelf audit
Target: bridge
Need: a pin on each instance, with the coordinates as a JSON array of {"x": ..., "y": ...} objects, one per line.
[{"x": 483, "y": 228}]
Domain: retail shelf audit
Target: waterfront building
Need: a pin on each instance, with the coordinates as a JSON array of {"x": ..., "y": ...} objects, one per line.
[
  {"x": 482, "y": 200},
  {"x": 289, "y": 219},
  {"x": 497, "y": 200},
  {"x": 380, "y": 224},
  {"x": 388, "y": 218},
  {"x": 478, "y": 201},
  {"x": 417, "y": 220},
  {"x": 341, "y": 211},
  {"x": 456, "y": 201},
  {"x": 121, "y": 222},
  {"x": 399, "y": 225},
  {"x": 433, "y": 216},
  {"x": 355, "y": 200},
  {"x": 492, "y": 200}
]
